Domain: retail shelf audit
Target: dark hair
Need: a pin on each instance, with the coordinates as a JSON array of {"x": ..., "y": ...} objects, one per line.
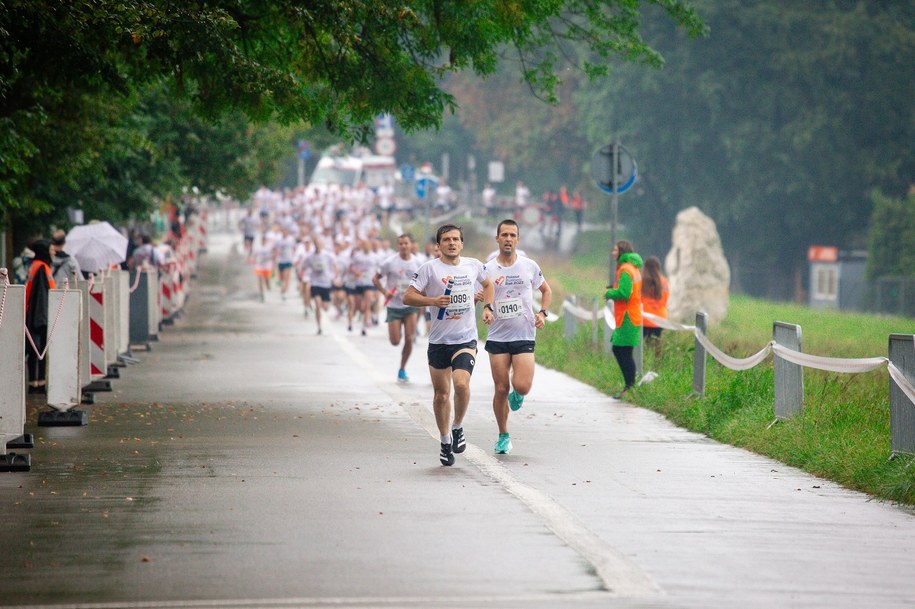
[
  {"x": 447, "y": 228},
  {"x": 42, "y": 249},
  {"x": 407, "y": 235},
  {"x": 651, "y": 277},
  {"x": 508, "y": 221},
  {"x": 623, "y": 247}
]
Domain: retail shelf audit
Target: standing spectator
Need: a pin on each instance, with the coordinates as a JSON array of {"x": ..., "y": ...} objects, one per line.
[
  {"x": 64, "y": 267},
  {"x": 522, "y": 195},
  {"x": 655, "y": 293},
  {"x": 40, "y": 280},
  {"x": 559, "y": 210},
  {"x": 489, "y": 199},
  {"x": 21, "y": 265},
  {"x": 145, "y": 254},
  {"x": 626, "y": 295},
  {"x": 578, "y": 206},
  {"x": 444, "y": 197}
]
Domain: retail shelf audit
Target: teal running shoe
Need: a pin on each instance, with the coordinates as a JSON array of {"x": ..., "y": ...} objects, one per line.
[
  {"x": 503, "y": 444},
  {"x": 402, "y": 376},
  {"x": 515, "y": 400}
]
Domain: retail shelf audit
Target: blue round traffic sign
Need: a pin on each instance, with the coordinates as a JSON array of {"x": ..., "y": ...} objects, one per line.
[
  {"x": 424, "y": 185},
  {"x": 614, "y": 166}
]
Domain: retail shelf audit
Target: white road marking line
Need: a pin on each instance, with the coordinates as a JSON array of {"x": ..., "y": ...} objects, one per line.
[{"x": 619, "y": 575}]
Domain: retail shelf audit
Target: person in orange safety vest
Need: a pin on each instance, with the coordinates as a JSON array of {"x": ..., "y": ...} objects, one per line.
[{"x": 626, "y": 295}]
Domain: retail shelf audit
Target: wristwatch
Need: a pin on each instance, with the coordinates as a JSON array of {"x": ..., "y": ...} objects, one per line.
[
  {"x": 543, "y": 312},
  {"x": 488, "y": 306}
]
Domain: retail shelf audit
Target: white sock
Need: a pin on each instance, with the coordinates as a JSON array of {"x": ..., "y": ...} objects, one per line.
[{"x": 445, "y": 439}]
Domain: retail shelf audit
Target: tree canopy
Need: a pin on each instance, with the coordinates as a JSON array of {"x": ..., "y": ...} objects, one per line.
[
  {"x": 105, "y": 100},
  {"x": 779, "y": 125}
]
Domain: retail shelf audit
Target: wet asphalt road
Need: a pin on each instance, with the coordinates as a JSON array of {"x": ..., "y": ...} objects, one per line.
[{"x": 247, "y": 462}]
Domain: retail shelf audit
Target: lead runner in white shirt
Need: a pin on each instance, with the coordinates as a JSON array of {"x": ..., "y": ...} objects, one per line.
[
  {"x": 453, "y": 338},
  {"x": 510, "y": 342}
]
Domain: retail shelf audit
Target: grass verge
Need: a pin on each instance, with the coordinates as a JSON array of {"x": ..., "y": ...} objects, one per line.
[{"x": 843, "y": 433}]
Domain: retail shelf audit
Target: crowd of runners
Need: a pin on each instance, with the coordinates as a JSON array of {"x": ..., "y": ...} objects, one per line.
[{"x": 326, "y": 246}]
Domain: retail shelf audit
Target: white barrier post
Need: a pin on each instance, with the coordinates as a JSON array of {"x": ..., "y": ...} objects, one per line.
[
  {"x": 110, "y": 326},
  {"x": 570, "y": 325},
  {"x": 85, "y": 376},
  {"x": 902, "y": 409},
  {"x": 123, "y": 282},
  {"x": 12, "y": 375},
  {"x": 63, "y": 361},
  {"x": 165, "y": 290},
  {"x": 699, "y": 358},
  {"x": 789, "y": 377}
]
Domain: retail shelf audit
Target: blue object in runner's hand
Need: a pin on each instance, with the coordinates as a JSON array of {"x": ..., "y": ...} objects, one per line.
[{"x": 448, "y": 286}]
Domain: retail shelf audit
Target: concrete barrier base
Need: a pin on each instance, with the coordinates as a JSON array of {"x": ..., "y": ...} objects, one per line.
[
  {"x": 26, "y": 440},
  {"x": 68, "y": 418},
  {"x": 97, "y": 386},
  {"x": 14, "y": 462}
]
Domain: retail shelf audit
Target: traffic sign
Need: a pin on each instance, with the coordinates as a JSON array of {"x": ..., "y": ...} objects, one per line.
[
  {"x": 407, "y": 172},
  {"x": 304, "y": 150},
  {"x": 603, "y": 165},
  {"x": 425, "y": 185},
  {"x": 385, "y": 146}
]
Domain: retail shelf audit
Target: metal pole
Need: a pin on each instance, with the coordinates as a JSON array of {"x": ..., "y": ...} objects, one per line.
[
  {"x": 614, "y": 205},
  {"x": 301, "y": 172}
]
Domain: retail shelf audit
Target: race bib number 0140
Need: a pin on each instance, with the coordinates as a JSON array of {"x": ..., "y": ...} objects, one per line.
[{"x": 509, "y": 308}]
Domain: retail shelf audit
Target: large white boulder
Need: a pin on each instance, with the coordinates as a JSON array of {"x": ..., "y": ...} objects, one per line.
[{"x": 698, "y": 272}]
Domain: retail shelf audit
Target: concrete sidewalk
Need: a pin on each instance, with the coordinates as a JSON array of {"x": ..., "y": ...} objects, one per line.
[{"x": 247, "y": 462}]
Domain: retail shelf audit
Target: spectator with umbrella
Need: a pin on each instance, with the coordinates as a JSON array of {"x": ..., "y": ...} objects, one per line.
[{"x": 96, "y": 246}]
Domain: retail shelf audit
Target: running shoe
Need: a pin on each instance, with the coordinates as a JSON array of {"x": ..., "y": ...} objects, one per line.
[
  {"x": 446, "y": 456},
  {"x": 515, "y": 400},
  {"x": 457, "y": 440},
  {"x": 402, "y": 376},
  {"x": 503, "y": 444}
]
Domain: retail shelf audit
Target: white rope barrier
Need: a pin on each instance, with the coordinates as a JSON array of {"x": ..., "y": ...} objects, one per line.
[
  {"x": 901, "y": 381},
  {"x": 830, "y": 364},
  {"x": 4, "y": 275},
  {"x": 28, "y": 334},
  {"x": 732, "y": 362},
  {"x": 818, "y": 362},
  {"x": 582, "y": 314},
  {"x": 663, "y": 322}
]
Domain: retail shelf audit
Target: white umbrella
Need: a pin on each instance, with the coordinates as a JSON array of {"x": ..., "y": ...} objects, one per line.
[{"x": 96, "y": 246}]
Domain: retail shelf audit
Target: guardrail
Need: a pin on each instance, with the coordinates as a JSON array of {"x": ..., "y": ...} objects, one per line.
[{"x": 788, "y": 364}]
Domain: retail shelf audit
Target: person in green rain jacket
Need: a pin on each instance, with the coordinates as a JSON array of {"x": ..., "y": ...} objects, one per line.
[{"x": 626, "y": 294}]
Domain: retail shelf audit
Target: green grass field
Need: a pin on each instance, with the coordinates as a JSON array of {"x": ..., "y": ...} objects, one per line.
[{"x": 843, "y": 433}]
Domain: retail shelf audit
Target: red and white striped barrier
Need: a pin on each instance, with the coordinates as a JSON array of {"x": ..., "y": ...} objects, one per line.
[{"x": 98, "y": 366}]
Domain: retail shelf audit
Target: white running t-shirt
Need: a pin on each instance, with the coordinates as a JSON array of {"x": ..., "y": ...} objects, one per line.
[
  {"x": 458, "y": 323},
  {"x": 513, "y": 306},
  {"x": 396, "y": 274}
]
